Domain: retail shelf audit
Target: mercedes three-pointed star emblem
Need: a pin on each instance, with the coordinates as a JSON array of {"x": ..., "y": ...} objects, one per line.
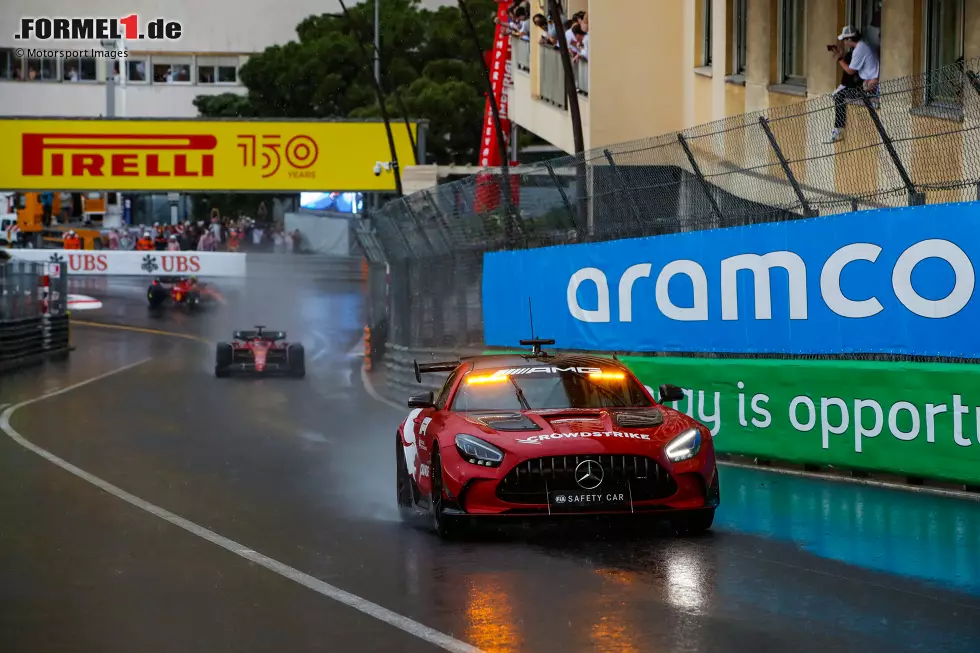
[{"x": 588, "y": 474}]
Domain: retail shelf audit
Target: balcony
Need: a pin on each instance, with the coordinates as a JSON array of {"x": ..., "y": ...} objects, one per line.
[{"x": 537, "y": 101}]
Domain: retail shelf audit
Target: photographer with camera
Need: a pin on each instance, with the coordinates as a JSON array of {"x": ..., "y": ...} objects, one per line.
[{"x": 861, "y": 70}]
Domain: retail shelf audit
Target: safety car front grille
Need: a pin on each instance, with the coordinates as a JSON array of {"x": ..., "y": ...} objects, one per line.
[{"x": 529, "y": 482}]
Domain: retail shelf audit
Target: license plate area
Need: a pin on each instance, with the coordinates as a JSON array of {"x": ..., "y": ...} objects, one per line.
[{"x": 589, "y": 500}]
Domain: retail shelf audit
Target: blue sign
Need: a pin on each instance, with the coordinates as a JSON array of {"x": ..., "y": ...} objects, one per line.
[{"x": 898, "y": 281}]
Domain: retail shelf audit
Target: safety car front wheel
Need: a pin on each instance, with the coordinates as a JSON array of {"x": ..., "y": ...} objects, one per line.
[
  {"x": 403, "y": 482},
  {"x": 445, "y": 526}
]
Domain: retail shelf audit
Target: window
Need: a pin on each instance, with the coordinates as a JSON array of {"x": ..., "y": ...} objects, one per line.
[
  {"x": 8, "y": 63},
  {"x": 944, "y": 47},
  {"x": 706, "y": 32},
  {"x": 793, "y": 41},
  {"x": 443, "y": 397},
  {"x": 217, "y": 70},
  {"x": 136, "y": 71},
  {"x": 44, "y": 69},
  {"x": 865, "y": 15},
  {"x": 739, "y": 36},
  {"x": 171, "y": 69},
  {"x": 78, "y": 70}
]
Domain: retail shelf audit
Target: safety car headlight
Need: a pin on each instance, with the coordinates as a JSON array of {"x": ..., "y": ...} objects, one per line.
[
  {"x": 476, "y": 451},
  {"x": 684, "y": 446}
]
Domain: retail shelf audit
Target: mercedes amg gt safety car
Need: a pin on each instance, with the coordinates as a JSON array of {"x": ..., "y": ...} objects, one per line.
[
  {"x": 260, "y": 352},
  {"x": 548, "y": 435},
  {"x": 182, "y": 291}
]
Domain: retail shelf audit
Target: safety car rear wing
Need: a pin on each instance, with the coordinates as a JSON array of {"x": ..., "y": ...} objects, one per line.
[{"x": 428, "y": 368}]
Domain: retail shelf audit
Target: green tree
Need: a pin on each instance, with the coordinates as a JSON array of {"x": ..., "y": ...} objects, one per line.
[{"x": 428, "y": 57}]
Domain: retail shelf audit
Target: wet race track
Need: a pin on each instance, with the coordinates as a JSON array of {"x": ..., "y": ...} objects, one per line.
[{"x": 198, "y": 514}]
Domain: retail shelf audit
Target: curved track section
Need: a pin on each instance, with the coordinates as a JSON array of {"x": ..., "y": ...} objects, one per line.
[{"x": 300, "y": 474}]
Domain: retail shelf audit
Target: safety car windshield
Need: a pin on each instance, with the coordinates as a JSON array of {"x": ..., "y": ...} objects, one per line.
[{"x": 548, "y": 388}]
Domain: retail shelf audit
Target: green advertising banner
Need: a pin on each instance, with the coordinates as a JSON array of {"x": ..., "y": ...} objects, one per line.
[{"x": 915, "y": 419}]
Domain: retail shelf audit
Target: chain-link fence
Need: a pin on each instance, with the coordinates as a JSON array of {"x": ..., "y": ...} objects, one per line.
[{"x": 913, "y": 141}]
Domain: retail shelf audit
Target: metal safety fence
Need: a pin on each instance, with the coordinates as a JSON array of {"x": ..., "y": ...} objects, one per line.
[
  {"x": 913, "y": 141},
  {"x": 34, "y": 320}
]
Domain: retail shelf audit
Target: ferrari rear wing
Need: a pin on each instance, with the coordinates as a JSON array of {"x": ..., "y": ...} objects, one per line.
[{"x": 427, "y": 368}]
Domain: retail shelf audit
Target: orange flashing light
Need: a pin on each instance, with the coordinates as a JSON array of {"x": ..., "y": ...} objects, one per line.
[
  {"x": 608, "y": 375},
  {"x": 487, "y": 378}
]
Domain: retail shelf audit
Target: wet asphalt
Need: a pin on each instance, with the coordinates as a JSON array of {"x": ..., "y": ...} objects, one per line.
[{"x": 302, "y": 472}]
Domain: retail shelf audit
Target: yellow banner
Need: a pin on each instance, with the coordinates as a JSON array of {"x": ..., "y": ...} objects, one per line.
[{"x": 198, "y": 155}]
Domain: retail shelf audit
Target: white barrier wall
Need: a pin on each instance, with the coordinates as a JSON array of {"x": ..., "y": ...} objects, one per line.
[{"x": 143, "y": 264}]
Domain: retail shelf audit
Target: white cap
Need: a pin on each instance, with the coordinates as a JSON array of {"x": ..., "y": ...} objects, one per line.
[{"x": 847, "y": 32}]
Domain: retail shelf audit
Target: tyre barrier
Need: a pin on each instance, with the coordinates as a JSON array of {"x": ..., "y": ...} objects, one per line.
[{"x": 32, "y": 340}]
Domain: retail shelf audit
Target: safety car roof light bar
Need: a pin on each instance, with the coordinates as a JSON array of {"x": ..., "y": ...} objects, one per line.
[
  {"x": 428, "y": 368},
  {"x": 536, "y": 344}
]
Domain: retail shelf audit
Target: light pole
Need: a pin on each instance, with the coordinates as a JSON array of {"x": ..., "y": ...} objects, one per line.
[
  {"x": 123, "y": 74},
  {"x": 377, "y": 40},
  {"x": 110, "y": 81}
]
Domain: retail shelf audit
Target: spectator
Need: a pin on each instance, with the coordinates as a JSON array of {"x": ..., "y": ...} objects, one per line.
[
  {"x": 47, "y": 201},
  {"x": 548, "y": 38},
  {"x": 72, "y": 241},
  {"x": 66, "y": 208},
  {"x": 72, "y": 74},
  {"x": 145, "y": 244},
  {"x": 160, "y": 241},
  {"x": 577, "y": 45},
  {"x": 861, "y": 75},
  {"x": 206, "y": 243},
  {"x": 173, "y": 245},
  {"x": 297, "y": 241},
  {"x": 232, "y": 240}
]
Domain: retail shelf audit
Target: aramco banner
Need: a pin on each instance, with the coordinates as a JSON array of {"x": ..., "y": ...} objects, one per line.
[
  {"x": 196, "y": 155},
  {"x": 898, "y": 281}
]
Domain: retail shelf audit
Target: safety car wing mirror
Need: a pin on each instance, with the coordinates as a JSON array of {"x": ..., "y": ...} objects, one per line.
[
  {"x": 426, "y": 400},
  {"x": 670, "y": 393}
]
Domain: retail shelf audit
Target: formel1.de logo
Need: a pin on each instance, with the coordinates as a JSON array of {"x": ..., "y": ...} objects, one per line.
[{"x": 77, "y": 28}]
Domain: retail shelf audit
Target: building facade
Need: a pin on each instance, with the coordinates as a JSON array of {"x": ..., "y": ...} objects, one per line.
[
  {"x": 659, "y": 67},
  {"x": 156, "y": 81}
]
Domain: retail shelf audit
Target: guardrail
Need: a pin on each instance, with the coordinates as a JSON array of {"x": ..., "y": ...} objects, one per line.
[{"x": 31, "y": 340}]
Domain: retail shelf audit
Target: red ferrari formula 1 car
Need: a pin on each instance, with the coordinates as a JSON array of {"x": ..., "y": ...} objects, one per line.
[
  {"x": 260, "y": 352},
  {"x": 182, "y": 291},
  {"x": 542, "y": 434}
]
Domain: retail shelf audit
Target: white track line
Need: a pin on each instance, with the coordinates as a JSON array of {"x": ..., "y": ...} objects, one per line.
[
  {"x": 403, "y": 623},
  {"x": 970, "y": 496}
]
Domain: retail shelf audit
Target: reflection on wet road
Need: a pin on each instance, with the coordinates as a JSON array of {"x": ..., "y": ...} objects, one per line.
[{"x": 302, "y": 472}]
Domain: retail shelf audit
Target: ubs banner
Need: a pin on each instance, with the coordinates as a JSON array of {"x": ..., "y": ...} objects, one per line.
[
  {"x": 202, "y": 155},
  {"x": 888, "y": 281}
]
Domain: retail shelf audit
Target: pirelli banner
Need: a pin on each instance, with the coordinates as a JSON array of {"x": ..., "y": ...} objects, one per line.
[{"x": 196, "y": 155}]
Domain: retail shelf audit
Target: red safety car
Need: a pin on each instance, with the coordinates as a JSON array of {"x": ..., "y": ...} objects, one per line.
[
  {"x": 183, "y": 291},
  {"x": 260, "y": 352},
  {"x": 539, "y": 435}
]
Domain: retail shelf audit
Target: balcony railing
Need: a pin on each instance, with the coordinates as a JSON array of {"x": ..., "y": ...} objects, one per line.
[
  {"x": 552, "y": 77},
  {"x": 522, "y": 53},
  {"x": 582, "y": 76}
]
